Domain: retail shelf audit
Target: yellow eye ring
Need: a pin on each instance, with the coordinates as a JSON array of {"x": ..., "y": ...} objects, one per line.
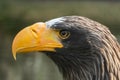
[{"x": 64, "y": 34}]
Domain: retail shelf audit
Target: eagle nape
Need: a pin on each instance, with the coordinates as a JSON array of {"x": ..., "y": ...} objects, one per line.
[{"x": 82, "y": 49}]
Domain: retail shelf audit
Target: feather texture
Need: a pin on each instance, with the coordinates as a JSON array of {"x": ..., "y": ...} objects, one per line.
[{"x": 92, "y": 53}]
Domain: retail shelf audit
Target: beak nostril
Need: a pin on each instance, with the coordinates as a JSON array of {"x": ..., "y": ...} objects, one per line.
[{"x": 34, "y": 32}]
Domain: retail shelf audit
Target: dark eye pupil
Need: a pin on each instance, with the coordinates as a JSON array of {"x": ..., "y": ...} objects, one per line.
[{"x": 63, "y": 33}]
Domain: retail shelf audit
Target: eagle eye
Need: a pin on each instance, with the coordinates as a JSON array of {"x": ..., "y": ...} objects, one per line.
[{"x": 64, "y": 34}]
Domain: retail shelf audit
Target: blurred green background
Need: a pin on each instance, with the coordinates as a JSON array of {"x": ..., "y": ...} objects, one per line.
[{"x": 17, "y": 14}]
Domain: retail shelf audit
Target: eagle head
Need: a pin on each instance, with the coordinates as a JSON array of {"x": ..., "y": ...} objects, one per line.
[{"x": 83, "y": 49}]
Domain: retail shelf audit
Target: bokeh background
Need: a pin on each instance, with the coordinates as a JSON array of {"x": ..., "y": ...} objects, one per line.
[{"x": 17, "y": 14}]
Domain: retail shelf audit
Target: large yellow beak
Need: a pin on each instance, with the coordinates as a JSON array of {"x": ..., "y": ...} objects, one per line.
[{"x": 35, "y": 38}]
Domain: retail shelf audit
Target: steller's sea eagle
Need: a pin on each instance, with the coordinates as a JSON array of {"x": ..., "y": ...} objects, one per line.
[{"x": 82, "y": 49}]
